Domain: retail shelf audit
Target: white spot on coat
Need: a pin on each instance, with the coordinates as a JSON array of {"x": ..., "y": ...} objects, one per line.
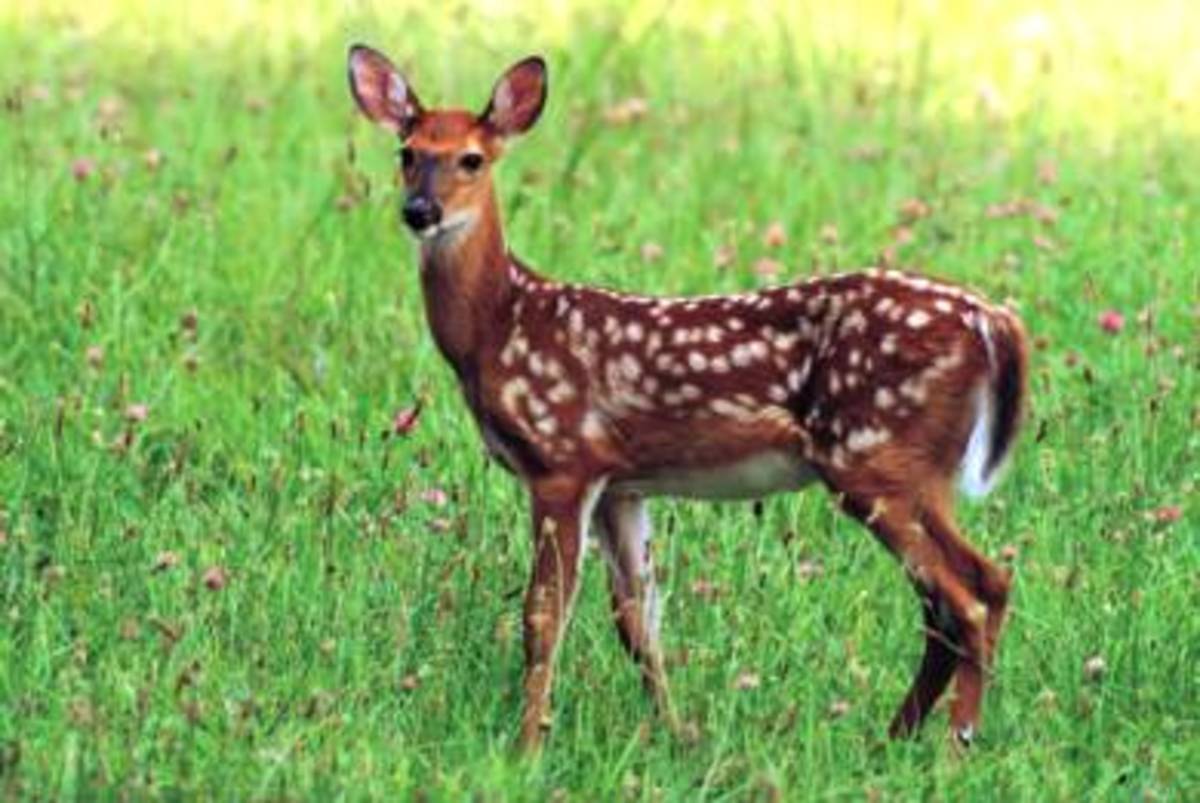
[
  {"x": 561, "y": 392},
  {"x": 512, "y": 392},
  {"x": 630, "y": 367},
  {"x": 592, "y": 427},
  {"x": 917, "y": 319}
]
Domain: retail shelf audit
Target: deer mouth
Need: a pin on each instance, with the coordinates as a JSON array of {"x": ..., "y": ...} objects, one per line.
[{"x": 450, "y": 226}]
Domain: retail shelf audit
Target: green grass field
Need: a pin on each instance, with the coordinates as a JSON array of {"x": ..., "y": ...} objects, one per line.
[{"x": 221, "y": 578}]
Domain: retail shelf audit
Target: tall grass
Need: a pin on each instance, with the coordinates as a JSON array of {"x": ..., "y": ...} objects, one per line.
[{"x": 222, "y": 575}]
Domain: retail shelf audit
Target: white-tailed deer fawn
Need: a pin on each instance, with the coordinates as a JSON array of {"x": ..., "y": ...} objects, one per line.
[{"x": 885, "y": 387}]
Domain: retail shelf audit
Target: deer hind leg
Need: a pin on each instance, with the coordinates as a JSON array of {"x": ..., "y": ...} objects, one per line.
[
  {"x": 990, "y": 584},
  {"x": 938, "y": 665},
  {"x": 955, "y": 616},
  {"x": 561, "y": 512},
  {"x": 624, "y": 537}
]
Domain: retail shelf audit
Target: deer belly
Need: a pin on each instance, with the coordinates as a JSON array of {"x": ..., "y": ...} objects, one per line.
[{"x": 758, "y": 475}]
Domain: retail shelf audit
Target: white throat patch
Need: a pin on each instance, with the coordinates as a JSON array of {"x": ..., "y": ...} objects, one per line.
[{"x": 450, "y": 229}]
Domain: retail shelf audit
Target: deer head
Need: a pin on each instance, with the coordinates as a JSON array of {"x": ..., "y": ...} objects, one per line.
[{"x": 446, "y": 154}]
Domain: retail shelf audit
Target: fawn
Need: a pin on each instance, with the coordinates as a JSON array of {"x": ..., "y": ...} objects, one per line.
[{"x": 883, "y": 386}]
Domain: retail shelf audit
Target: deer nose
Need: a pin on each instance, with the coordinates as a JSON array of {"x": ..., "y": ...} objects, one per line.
[{"x": 421, "y": 212}]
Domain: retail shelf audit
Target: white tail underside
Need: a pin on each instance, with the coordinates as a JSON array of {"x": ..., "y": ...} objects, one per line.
[{"x": 973, "y": 477}]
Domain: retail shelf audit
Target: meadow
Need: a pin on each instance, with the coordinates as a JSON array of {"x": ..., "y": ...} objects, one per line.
[{"x": 237, "y": 563}]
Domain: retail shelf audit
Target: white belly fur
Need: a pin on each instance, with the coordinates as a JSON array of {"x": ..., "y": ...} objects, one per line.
[{"x": 755, "y": 476}]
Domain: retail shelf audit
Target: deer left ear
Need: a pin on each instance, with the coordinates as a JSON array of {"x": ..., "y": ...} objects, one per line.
[{"x": 517, "y": 98}]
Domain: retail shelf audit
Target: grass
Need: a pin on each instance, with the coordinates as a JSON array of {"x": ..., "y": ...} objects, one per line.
[{"x": 251, "y": 593}]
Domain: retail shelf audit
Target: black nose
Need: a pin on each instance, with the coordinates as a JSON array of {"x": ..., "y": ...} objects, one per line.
[{"x": 421, "y": 212}]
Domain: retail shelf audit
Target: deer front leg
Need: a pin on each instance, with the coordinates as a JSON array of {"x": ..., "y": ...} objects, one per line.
[
  {"x": 562, "y": 509},
  {"x": 624, "y": 536}
]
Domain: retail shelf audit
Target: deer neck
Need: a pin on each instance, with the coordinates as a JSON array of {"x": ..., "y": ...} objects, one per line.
[{"x": 467, "y": 286}]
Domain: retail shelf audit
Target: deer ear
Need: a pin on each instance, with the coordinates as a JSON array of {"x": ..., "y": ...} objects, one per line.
[
  {"x": 517, "y": 98},
  {"x": 381, "y": 91}
]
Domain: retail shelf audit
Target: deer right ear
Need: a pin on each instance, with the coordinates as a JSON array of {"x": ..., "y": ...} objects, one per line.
[{"x": 381, "y": 91}]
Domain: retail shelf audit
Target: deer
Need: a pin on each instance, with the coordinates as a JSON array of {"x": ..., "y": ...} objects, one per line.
[{"x": 890, "y": 389}]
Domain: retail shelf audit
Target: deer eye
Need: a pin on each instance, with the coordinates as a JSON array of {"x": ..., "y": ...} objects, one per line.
[
  {"x": 471, "y": 162},
  {"x": 407, "y": 157}
]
